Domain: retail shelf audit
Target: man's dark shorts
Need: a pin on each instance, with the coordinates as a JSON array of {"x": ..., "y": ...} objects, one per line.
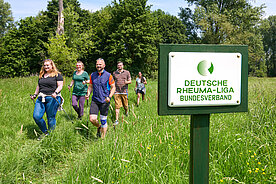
[{"x": 96, "y": 107}]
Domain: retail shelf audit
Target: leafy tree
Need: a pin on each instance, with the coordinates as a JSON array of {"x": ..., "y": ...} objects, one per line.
[
  {"x": 22, "y": 49},
  {"x": 92, "y": 44},
  {"x": 6, "y": 19},
  {"x": 81, "y": 42},
  {"x": 64, "y": 57},
  {"x": 170, "y": 27},
  {"x": 77, "y": 33},
  {"x": 186, "y": 16},
  {"x": 268, "y": 31},
  {"x": 133, "y": 36},
  {"x": 232, "y": 22}
]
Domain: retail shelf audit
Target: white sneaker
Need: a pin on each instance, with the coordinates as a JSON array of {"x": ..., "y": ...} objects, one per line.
[
  {"x": 116, "y": 122},
  {"x": 42, "y": 136}
]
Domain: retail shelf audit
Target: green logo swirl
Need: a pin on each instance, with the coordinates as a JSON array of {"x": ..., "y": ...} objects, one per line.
[{"x": 205, "y": 68}]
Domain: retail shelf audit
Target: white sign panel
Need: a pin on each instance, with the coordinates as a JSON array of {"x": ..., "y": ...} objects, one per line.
[{"x": 204, "y": 79}]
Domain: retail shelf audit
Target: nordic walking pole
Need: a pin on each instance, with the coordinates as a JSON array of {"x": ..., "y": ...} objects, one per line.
[
  {"x": 64, "y": 110},
  {"x": 87, "y": 118},
  {"x": 70, "y": 101}
]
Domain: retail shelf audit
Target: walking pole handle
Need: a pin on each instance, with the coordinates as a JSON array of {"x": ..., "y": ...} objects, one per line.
[
  {"x": 32, "y": 97},
  {"x": 69, "y": 87},
  {"x": 87, "y": 122}
]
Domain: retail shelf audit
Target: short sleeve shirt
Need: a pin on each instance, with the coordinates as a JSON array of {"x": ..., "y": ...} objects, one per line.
[
  {"x": 49, "y": 85},
  {"x": 120, "y": 78},
  {"x": 140, "y": 85},
  {"x": 80, "y": 89}
]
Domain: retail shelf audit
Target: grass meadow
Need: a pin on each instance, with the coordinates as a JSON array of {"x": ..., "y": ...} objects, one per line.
[{"x": 144, "y": 147}]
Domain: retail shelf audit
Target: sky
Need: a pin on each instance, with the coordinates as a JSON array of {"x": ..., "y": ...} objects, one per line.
[{"x": 25, "y": 8}]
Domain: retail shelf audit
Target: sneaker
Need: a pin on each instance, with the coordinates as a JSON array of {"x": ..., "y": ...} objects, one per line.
[
  {"x": 99, "y": 132},
  {"x": 79, "y": 115},
  {"x": 42, "y": 136},
  {"x": 116, "y": 122}
]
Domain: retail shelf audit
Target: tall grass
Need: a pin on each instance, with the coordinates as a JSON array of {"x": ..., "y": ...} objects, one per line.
[{"x": 144, "y": 147}]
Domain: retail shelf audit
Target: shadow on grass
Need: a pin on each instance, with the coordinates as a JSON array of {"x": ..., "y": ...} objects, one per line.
[
  {"x": 81, "y": 127},
  {"x": 68, "y": 117},
  {"x": 32, "y": 129}
]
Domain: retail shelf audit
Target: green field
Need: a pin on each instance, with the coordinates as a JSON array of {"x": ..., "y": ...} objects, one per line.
[{"x": 144, "y": 148}]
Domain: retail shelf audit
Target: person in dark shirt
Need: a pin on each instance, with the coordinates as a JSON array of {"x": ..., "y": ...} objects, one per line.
[
  {"x": 48, "y": 89},
  {"x": 79, "y": 80}
]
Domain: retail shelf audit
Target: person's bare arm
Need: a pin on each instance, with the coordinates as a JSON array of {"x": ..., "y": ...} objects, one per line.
[
  {"x": 112, "y": 91},
  {"x": 35, "y": 93},
  {"x": 89, "y": 91},
  {"x": 59, "y": 88}
]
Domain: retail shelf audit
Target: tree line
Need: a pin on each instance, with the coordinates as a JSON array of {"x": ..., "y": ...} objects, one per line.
[{"x": 130, "y": 31}]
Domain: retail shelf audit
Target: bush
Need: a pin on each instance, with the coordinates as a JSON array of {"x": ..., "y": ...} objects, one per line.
[{"x": 63, "y": 56}]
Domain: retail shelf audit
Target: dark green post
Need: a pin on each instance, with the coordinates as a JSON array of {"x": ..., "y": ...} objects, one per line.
[{"x": 199, "y": 149}]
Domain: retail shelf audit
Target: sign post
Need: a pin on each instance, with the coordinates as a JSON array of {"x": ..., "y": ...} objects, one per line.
[
  {"x": 199, "y": 148},
  {"x": 198, "y": 80}
]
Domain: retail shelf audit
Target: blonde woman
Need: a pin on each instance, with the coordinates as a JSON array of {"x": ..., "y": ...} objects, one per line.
[
  {"x": 47, "y": 90},
  {"x": 79, "y": 80}
]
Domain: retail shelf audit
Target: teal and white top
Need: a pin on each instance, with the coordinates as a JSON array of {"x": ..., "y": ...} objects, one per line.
[{"x": 140, "y": 85}]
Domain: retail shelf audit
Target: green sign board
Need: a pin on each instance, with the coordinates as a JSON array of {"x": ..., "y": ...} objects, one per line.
[{"x": 202, "y": 79}]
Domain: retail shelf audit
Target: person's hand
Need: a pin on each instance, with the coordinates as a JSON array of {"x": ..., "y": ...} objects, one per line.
[
  {"x": 126, "y": 82},
  {"x": 54, "y": 95},
  {"x": 69, "y": 87},
  {"x": 33, "y": 96},
  {"x": 87, "y": 97},
  {"x": 107, "y": 99}
]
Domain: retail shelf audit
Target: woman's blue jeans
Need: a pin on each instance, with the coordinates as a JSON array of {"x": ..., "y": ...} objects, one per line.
[{"x": 50, "y": 106}]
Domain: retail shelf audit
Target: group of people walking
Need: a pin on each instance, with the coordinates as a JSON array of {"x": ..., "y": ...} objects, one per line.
[{"x": 102, "y": 84}]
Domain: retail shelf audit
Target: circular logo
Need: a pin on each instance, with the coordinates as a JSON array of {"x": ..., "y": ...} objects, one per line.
[{"x": 205, "y": 68}]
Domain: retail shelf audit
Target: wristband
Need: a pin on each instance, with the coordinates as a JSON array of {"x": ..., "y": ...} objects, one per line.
[{"x": 56, "y": 93}]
